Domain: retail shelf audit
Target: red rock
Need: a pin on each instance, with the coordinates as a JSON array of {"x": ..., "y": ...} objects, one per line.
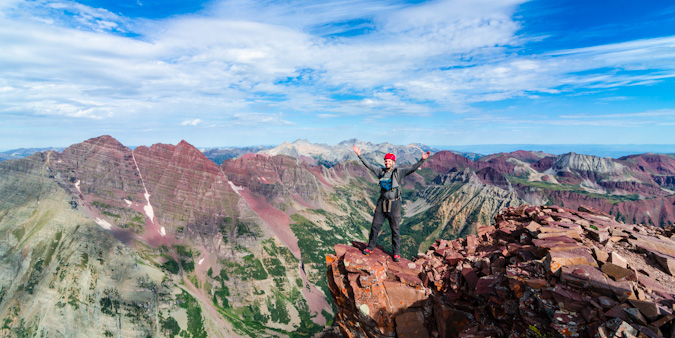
[
  {"x": 411, "y": 324},
  {"x": 454, "y": 258},
  {"x": 470, "y": 277},
  {"x": 402, "y": 297},
  {"x": 471, "y": 243},
  {"x": 652, "y": 244},
  {"x": 536, "y": 283},
  {"x": 616, "y": 259},
  {"x": 563, "y": 232},
  {"x": 598, "y": 236},
  {"x": 553, "y": 245},
  {"x": 561, "y": 239},
  {"x": 484, "y": 286},
  {"x": 666, "y": 261},
  {"x": 647, "y": 331},
  {"x": 647, "y": 308},
  {"x": 340, "y": 249},
  {"x": 586, "y": 276},
  {"x": 663, "y": 320},
  {"x": 443, "y": 251},
  {"x": 618, "y": 273},
  {"x": 450, "y": 321},
  {"x": 485, "y": 230},
  {"x": 558, "y": 259},
  {"x": 533, "y": 227},
  {"x": 617, "y": 312},
  {"x": 652, "y": 285},
  {"x": 572, "y": 300},
  {"x": 635, "y": 315},
  {"x": 600, "y": 255}
]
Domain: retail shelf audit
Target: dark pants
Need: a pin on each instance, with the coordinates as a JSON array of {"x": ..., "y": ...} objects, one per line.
[{"x": 394, "y": 217}]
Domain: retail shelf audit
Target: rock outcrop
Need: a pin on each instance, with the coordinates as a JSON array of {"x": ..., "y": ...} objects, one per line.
[
  {"x": 580, "y": 162},
  {"x": 535, "y": 272}
]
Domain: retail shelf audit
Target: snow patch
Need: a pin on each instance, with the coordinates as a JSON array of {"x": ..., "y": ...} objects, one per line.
[
  {"x": 235, "y": 188},
  {"x": 128, "y": 202},
  {"x": 149, "y": 211},
  {"x": 77, "y": 185},
  {"x": 200, "y": 261},
  {"x": 262, "y": 179},
  {"x": 103, "y": 223},
  {"x": 162, "y": 231}
]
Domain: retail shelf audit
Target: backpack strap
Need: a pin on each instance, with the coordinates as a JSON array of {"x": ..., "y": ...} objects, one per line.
[{"x": 395, "y": 178}]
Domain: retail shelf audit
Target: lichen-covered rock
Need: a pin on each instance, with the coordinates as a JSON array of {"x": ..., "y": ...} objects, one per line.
[{"x": 595, "y": 278}]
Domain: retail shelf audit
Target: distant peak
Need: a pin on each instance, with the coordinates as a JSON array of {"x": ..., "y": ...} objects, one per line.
[
  {"x": 105, "y": 139},
  {"x": 349, "y": 142},
  {"x": 185, "y": 146}
]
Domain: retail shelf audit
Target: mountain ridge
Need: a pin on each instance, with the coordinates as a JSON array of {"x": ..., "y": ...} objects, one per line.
[{"x": 239, "y": 247}]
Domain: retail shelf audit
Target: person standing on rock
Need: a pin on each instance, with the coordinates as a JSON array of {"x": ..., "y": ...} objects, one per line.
[{"x": 389, "y": 204}]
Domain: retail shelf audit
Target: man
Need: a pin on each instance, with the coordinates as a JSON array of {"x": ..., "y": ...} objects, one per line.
[{"x": 389, "y": 204}]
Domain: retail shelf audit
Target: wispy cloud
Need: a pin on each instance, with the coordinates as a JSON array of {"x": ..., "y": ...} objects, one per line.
[
  {"x": 241, "y": 59},
  {"x": 660, "y": 113},
  {"x": 259, "y": 119},
  {"x": 327, "y": 116},
  {"x": 191, "y": 122}
]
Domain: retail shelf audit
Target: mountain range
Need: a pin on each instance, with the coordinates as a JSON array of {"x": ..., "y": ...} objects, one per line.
[{"x": 102, "y": 240}]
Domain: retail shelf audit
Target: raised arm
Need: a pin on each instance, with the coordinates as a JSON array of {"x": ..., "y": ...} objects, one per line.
[
  {"x": 374, "y": 169},
  {"x": 407, "y": 171}
]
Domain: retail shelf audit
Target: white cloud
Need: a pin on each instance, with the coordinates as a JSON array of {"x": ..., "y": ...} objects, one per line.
[
  {"x": 659, "y": 113},
  {"x": 259, "y": 119},
  {"x": 191, "y": 122},
  {"x": 291, "y": 56},
  {"x": 327, "y": 116}
]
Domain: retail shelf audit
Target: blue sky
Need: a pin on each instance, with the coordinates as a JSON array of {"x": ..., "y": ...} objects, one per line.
[{"x": 244, "y": 72}]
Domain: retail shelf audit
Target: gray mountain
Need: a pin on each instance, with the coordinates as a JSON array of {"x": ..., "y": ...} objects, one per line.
[{"x": 330, "y": 155}]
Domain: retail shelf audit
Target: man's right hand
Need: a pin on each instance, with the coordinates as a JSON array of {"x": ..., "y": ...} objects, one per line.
[{"x": 357, "y": 150}]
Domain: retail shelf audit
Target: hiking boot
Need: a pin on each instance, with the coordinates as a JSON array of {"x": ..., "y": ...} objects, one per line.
[
  {"x": 397, "y": 258},
  {"x": 366, "y": 251}
]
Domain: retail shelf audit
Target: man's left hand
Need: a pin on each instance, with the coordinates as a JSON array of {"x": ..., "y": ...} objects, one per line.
[{"x": 426, "y": 155}]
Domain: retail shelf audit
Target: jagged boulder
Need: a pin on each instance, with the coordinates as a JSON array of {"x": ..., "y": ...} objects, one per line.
[
  {"x": 376, "y": 295},
  {"x": 536, "y": 272}
]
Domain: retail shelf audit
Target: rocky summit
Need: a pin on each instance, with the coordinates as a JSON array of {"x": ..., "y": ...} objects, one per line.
[{"x": 536, "y": 271}]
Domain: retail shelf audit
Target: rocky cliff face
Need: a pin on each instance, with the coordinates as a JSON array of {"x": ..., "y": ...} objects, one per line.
[
  {"x": 579, "y": 162},
  {"x": 631, "y": 188},
  {"x": 63, "y": 275},
  {"x": 276, "y": 178},
  {"x": 155, "y": 241},
  {"x": 536, "y": 271},
  {"x": 189, "y": 194},
  {"x": 652, "y": 163}
]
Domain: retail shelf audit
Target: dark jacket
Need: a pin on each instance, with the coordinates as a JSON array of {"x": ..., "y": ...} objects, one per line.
[{"x": 401, "y": 173}]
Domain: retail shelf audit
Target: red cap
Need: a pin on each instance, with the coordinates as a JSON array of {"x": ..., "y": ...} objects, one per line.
[{"x": 390, "y": 156}]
